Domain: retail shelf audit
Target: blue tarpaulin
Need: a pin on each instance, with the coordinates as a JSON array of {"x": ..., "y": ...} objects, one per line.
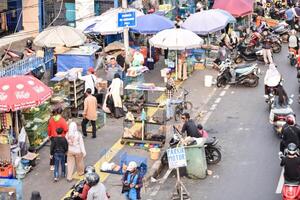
[
  {"x": 68, "y": 61},
  {"x": 83, "y": 57}
]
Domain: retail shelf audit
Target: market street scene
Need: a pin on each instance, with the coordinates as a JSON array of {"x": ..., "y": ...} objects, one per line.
[{"x": 149, "y": 99}]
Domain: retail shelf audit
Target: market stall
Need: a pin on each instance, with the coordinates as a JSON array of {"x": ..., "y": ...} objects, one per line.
[
  {"x": 145, "y": 122},
  {"x": 24, "y": 112},
  {"x": 177, "y": 40}
]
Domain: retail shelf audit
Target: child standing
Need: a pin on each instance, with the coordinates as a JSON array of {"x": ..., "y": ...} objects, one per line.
[{"x": 58, "y": 150}]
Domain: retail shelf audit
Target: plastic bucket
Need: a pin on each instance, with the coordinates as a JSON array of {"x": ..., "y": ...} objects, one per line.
[
  {"x": 154, "y": 153},
  {"x": 208, "y": 80}
]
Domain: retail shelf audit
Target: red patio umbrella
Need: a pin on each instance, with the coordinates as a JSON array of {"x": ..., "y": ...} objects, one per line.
[
  {"x": 238, "y": 8},
  {"x": 20, "y": 92}
]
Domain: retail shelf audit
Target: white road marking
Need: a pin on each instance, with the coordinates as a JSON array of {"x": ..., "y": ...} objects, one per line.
[
  {"x": 280, "y": 182},
  {"x": 213, "y": 107},
  {"x": 206, "y": 117},
  {"x": 218, "y": 100},
  {"x": 222, "y": 93},
  {"x": 227, "y": 87}
]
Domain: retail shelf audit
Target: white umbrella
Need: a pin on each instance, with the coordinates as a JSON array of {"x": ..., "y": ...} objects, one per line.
[
  {"x": 107, "y": 23},
  {"x": 176, "y": 39},
  {"x": 60, "y": 36}
]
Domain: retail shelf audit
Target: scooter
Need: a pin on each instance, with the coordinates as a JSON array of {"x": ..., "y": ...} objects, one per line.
[
  {"x": 240, "y": 75},
  {"x": 276, "y": 43},
  {"x": 280, "y": 114},
  {"x": 282, "y": 29},
  {"x": 291, "y": 191},
  {"x": 244, "y": 54}
]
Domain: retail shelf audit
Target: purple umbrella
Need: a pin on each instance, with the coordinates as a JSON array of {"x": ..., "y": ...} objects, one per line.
[{"x": 151, "y": 24}]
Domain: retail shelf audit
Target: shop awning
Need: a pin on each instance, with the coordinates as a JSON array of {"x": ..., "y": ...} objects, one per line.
[{"x": 238, "y": 8}]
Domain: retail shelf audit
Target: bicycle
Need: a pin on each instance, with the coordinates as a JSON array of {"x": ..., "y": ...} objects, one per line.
[{"x": 182, "y": 104}]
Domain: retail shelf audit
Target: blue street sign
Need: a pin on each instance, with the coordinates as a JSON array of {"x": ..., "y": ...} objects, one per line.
[{"x": 126, "y": 19}]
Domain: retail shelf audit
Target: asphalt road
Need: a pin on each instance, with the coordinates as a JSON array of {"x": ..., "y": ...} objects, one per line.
[{"x": 250, "y": 166}]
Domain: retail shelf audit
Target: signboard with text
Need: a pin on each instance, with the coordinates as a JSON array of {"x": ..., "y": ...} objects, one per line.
[
  {"x": 126, "y": 19},
  {"x": 176, "y": 157}
]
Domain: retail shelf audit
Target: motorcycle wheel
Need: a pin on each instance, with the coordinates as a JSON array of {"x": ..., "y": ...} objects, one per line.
[
  {"x": 285, "y": 37},
  {"x": 255, "y": 83},
  {"x": 213, "y": 155},
  {"x": 177, "y": 113},
  {"x": 188, "y": 105},
  {"x": 221, "y": 82},
  {"x": 276, "y": 47}
]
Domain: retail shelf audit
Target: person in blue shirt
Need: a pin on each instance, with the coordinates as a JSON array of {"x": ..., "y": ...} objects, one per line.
[{"x": 290, "y": 17}]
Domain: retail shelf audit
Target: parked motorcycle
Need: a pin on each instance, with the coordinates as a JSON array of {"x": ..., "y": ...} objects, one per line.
[
  {"x": 282, "y": 29},
  {"x": 276, "y": 43},
  {"x": 280, "y": 114},
  {"x": 240, "y": 75},
  {"x": 243, "y": 53},
  {"x": 212, "y": 149},
  {"x": 182, "y": 105}
]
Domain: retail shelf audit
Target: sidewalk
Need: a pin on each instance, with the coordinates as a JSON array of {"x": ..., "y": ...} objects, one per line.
[{"x": 41, "y": 178}]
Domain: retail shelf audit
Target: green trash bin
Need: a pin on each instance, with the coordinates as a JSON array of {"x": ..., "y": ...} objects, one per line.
[{"x": 196, "y": 160}]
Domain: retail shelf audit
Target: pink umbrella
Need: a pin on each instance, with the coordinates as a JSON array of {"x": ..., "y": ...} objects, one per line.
[{"x": 20, "y": 92}]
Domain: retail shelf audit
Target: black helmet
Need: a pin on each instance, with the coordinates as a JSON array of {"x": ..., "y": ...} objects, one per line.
[
  {"x": 292, "y": 149},
  {"x": 92, "y": 179},
  {"x": 199, "y": 126},
  {"x": 89, "y": 169},
  {"x": 29, "y": 43}
]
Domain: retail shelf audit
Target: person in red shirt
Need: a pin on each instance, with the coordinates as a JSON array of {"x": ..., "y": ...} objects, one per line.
[{"x": 55, "y": 122}]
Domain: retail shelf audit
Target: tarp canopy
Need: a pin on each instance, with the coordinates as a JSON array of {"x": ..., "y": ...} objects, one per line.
[{"x": 238, "y": 8}]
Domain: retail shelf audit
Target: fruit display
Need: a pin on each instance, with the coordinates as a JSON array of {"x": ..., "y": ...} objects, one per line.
[{"x": 36, "y": 123}]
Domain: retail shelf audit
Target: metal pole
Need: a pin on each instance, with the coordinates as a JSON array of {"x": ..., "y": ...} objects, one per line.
[{"x": 126, "y": 30}]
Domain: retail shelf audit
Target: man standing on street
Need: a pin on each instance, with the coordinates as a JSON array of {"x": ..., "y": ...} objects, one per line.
[
  {"x": 112, "y": 69},
  {"x": 89, "y": 112},
  {"x": 171, "y": 87}
]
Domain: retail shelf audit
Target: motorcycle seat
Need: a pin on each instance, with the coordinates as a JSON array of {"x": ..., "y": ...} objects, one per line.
[
  {"x": 243, "y": 70},
  {"x": 210, "y": 140},
  {"x": 242, "y": 66},
  {"x": 292, "y": 183}
]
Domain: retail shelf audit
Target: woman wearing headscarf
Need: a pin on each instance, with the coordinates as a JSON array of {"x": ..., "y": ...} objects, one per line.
[
  {"x": 272, "y": 78},
  {"x": 76, "y": 151}
]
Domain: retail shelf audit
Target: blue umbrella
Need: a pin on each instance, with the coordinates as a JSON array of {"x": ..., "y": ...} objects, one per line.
[
  {"x": 205, "y": 22},
  {"x": 230, "y": 18},
  {"x": 151, "y": 24}
]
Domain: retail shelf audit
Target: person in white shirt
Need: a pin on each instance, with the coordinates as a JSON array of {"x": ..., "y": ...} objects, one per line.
[
  {"x": 89, "y": 79},
  {"x": 293, "y": 41}
]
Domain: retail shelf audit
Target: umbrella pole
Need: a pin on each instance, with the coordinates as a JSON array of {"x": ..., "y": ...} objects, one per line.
[
  {"x": 17, "y": 124},
  {"x": 176, "y": 66}
]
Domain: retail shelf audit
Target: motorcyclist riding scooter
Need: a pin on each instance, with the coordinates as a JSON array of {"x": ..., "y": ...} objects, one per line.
[
  {"x": 290, "y": 134},
  {"x": 272, "y": 80},
  {"x": 291, "y": 164}
]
